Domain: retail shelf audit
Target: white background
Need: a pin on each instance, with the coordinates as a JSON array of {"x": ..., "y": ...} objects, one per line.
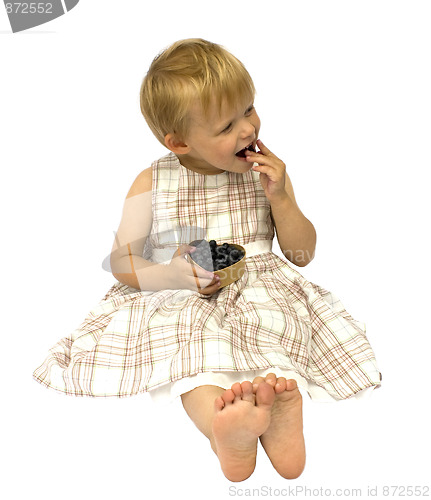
[{"x": 344, "y": 98}]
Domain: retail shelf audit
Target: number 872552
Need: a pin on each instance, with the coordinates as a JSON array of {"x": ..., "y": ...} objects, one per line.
[{"x": 29, "y": 8}]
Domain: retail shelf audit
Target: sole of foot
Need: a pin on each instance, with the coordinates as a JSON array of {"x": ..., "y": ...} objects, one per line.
[
  {"x": 241, "y": 415},
  {"x": 283, "y": 441}
]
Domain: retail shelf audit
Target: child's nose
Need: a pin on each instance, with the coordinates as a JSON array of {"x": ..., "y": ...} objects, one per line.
[{"x": 248, "y": 129}]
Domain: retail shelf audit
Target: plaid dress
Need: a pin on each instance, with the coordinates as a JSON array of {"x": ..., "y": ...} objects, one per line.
[{"x": 271, "y": 319}]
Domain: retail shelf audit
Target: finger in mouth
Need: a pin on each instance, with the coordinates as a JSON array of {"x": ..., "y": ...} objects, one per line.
[{"x": 242, "y": 154}]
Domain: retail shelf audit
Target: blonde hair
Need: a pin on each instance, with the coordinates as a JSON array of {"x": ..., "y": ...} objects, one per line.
[{"x": 190, "y": 69}]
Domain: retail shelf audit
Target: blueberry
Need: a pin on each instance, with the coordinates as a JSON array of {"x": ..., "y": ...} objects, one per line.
[
  {"x": 221, "y": 263},
  {"x": 234, "y": 254},
  {"x": 221, "y": 251}
]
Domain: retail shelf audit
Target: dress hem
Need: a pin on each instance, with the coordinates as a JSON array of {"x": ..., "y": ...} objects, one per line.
[{"x": 168, "y": 393}]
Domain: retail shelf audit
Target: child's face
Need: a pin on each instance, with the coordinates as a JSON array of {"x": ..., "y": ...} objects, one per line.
[{"x": 214, "y": 140}]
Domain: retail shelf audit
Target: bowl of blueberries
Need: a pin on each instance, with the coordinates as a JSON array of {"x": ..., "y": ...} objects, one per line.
[{"x": 226, "y": 260}]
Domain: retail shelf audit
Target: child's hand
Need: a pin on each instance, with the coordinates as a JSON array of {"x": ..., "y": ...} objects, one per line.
[
  {"x": 181, "y": 274},
  {"x": 272, "y": 172}
]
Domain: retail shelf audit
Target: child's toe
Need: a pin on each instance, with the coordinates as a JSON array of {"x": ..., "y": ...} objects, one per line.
[
  {"x": 247, "y": 391},
  {"x": 291, "y": 384},
  {"x": 280, "y": 386},
  {"x": 218, "y": 404},
  {"x": 256, "y": 382},
  {"x": 265, "y": 396},
  {"x": 271, "y": 379},
  {"x": 236, "y": 389},
  {"x": 228, "y": 396}
]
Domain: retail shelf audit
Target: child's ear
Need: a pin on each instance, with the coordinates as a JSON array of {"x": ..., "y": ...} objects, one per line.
[{"x": 176, "y": 145}]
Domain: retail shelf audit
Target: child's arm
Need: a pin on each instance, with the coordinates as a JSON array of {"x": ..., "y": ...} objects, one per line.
[
  {"x": 135, "y": 226},
  {"x": 127, "y": 264},
  {"x": 295, "y": 233}
]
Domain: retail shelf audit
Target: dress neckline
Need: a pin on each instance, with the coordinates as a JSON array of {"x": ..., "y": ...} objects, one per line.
[{"x": 194, "y": 171}]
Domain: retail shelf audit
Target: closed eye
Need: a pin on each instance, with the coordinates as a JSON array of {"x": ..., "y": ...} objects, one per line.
[{"x": 249, "y": 111}]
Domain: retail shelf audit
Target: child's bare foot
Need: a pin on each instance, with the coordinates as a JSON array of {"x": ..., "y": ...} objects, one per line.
[
  {"x": 241, "y": 416},
  {"x": 283, "y": 441}
]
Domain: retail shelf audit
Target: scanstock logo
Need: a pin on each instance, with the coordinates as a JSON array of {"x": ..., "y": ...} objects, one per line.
[{"x": 26, "y": 15}]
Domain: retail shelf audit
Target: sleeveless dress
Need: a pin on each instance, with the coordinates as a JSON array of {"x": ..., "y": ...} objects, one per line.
[{"x": 168, "y": 342}]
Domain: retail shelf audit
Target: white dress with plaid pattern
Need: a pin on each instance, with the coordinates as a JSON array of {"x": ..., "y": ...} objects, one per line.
[{"x": 170, "y": 341}]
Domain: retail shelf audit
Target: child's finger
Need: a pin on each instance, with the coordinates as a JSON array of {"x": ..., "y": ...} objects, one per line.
[
  {"x": 262, "y": 147},
  {"x": 260, "y": 158},
  {"x": 256, "y": 158},
  {"x": 265, "y": 169},
  {"x": 201, "y": 284},
  {"x": 184, "y": 249},
  {"x": 200, "y": 272},
  {"x": 212, "y": 287}
]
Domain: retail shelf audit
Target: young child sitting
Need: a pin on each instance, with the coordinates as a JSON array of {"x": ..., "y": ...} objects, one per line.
[{"x": 236, "y": 354}]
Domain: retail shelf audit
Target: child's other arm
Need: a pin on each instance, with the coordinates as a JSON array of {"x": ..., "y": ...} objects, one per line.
[
  {"x": 295, "y": 233},
  {"x": 127, "y": 264}
]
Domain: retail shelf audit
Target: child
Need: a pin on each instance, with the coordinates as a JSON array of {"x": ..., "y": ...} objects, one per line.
[{"x": 236, "y": 355}]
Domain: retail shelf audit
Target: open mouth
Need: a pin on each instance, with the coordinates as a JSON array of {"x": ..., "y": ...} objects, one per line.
[{"x": 241, "y": 153}]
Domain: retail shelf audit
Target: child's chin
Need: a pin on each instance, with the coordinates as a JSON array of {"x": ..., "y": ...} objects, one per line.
[
  {"x": 245, "y": 167},
  {"x": 245, "y": 163}
]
